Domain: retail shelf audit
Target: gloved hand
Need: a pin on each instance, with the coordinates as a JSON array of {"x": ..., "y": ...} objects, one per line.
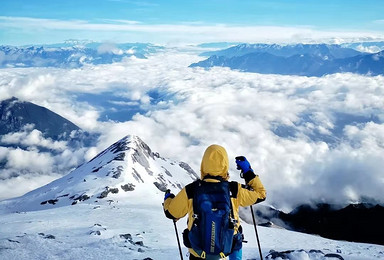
[
  {"x": 168, "y": 194},
  {"x": 243, "y": 164},
  {"x": 245, "y": 167}
]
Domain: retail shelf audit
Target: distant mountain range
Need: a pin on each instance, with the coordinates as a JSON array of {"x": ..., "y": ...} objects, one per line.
[
  {"x": 72, "y": 54},
  {"x": 300, "y": 59},
  {"x": 323, "y": 51}
]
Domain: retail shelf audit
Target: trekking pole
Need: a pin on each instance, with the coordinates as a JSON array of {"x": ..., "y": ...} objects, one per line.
[
  {"x": 178, "y": 240},
  {"x": 244, "y": 166},
  {"x": 167, "y": 192},
  {"x": 257, "y": 235}
]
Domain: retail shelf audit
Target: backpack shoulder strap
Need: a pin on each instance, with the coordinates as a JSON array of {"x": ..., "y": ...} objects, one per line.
[
  {"x": 190, "y": 188},
  {"x": 234, "y": 189}
]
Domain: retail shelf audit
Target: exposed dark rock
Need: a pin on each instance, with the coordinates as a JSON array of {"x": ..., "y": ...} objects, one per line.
[
  {"x": 167, "y": 172},
  {"x": 315, "y": 251},
  {"x": 108, "y": 190},
  {"x": 120, "y": 146},
  {"x": 120, "y": 157},
  {"x": 149, "y": 171},
  {"x": 82, "y": 197},
  {"x": 116, "y": 173},
  {"x": 334, "y": 256},
  {"x": 117, "y": 147},
  {"x": 65, "y": 195},
  {"x": 13, "y": 241},
  {"x": 161, "y": 186},
  {"x": 53, "y": 202},
  {"x": 140, "y": 250},
  {"x": 128, "y": 187},
  {"x": 188, "y": 168},
  {"x": 137, "y": 176},
  {"x": 103, "y": 194},
  {"x": 97, "y": 169},
  {"x": 274, "y": 254},
  {"x": 139, "y": 243},
  {"x": 266, "y": 224},
  {"x": 114, "y": 190},
  {"x": 47, "y": 236},
  {"x": 74, "y": 203},
  {"x": 97, "y": 232},
  {"x": 126, "y": 236}
]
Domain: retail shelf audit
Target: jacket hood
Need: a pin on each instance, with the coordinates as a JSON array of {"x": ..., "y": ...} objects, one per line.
[{"x": 215, "y": 162}]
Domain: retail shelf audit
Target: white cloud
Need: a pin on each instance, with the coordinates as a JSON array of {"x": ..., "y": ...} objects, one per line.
[
  {"x": 239, "y": 111},
  {"x": 32, "y": 160},
  {"x": 187, "y": 33},
  {"x": 18, "y": 186},
  {"x": 122, "y": 21},
  {"x": 32, "y": 139}
]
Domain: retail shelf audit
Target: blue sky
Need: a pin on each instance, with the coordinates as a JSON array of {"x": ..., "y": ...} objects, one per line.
[{"x": 48, "y": 21}]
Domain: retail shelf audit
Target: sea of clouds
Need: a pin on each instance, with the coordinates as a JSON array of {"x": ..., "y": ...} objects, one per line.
[{"x": 310, "y": 139}]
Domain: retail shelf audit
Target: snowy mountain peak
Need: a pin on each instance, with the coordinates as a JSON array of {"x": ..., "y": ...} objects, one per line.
[{"x": 128, "y": 169}]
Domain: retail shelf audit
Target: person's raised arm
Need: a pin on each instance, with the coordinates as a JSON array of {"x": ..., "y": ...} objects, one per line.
[{"x": 254, "y": 191}]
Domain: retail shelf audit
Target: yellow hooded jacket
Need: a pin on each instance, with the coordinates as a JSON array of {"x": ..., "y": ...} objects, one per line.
[{"x": 215, "y": 164}]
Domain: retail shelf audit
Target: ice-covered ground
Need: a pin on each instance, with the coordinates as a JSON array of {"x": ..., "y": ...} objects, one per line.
[
  {"x": 137, "y": 229},
  {"x": 75, "y": 218}
]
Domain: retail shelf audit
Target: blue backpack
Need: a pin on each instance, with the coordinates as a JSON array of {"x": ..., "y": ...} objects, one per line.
[{"x": 212, "y": 232}]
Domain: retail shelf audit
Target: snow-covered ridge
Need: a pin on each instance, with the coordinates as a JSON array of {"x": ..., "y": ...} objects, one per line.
[{"x": 128, "y": 169}]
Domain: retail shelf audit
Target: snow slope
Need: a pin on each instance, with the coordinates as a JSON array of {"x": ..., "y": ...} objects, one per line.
[
  {"x": 138, "y": 229},
  {"x": 81, "y": 216}
]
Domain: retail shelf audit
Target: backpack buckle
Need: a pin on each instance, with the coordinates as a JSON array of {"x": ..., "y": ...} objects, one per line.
[{"x": 195, "y": 216}]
